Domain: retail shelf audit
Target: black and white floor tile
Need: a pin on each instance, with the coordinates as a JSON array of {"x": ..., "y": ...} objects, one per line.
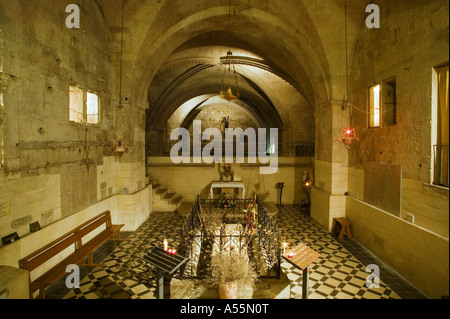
[{"x": 337, "y": 274}]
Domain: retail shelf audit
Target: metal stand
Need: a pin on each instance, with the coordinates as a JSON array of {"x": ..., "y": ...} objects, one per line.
[
  {"x": 302, "y": 257},
  {"x": 305, "y": 286},
  {"x": 165, "y": 264},
  {"x": 280, "y": 187}
]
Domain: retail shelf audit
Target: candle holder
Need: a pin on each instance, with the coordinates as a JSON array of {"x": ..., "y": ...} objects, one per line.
[{"x": 119, "y": 150}]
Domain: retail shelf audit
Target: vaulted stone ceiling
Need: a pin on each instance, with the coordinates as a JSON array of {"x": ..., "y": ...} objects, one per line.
[
  {"x": 289, "y": 55},
  {"x": 302, "y": 38}
]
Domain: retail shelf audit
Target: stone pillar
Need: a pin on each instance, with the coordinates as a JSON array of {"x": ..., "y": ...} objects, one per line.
[
  {"x": 156, "y": 142},
  {"x": 331, "y": 165}
]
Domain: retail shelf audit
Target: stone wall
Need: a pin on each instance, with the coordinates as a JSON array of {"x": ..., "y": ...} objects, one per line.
[
  {"x": 417, "y": 254},
  {"x": 190, "y": 180},
  {"x": 40, "y": 59},
  {"x": 40, "y": 197},
  {"x": 131, "y": 210},
  {"x": 412, "y": 40}
]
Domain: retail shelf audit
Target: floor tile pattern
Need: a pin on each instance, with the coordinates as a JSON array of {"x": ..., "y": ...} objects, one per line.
[{"x": 337, "y": 274}]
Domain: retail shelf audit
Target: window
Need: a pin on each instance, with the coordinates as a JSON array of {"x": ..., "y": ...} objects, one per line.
[
  {"x": 383, "y": 104},
  {"x": 389, "y": 99},
  {"x": 84, "y": 106},
  {"x": 375, "y": 105},
  {"x": 440, "y": 149}
]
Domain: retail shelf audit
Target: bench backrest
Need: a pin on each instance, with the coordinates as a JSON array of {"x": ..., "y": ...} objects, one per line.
[
  {"x": 40, "y": 256},
  {"x": 94, "y": 223},
  {"x": 73, "y": 237}
]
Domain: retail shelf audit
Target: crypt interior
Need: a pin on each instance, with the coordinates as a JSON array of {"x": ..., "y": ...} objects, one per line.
[{"x": 355, "y": 123}]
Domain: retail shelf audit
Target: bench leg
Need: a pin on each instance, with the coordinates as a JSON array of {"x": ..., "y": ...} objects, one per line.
[
  {"x": 349, "y": 233},
  {"x": 345, "y": 229},
  {"x": 341, "y": 234},
  {"x": 116, "y": 237},
  {"x": 90, "y": 262}
]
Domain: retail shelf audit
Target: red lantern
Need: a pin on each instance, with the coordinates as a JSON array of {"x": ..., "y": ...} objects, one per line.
[{"x": 348, "y": 136}]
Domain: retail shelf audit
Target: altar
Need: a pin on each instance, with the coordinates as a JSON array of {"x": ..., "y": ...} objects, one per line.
[{"x": 228, "y": 186}]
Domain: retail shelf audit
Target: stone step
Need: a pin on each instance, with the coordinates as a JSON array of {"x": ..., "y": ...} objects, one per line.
[
  {"x": 164, "y": 199},
  {"x": 156, "y": 187},
  {"x": 176, "y": 200},
  {"x": 161, "y": 191},
  {"x": 169, "y": 195}
]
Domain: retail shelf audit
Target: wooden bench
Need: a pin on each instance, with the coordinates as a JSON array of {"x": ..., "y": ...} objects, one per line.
[
  {"x": 82, "y": 251},
  {"x": 345, "y": 226}
]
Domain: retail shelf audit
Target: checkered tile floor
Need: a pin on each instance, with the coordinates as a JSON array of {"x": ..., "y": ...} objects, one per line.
[{"x": 337, "y": 274}]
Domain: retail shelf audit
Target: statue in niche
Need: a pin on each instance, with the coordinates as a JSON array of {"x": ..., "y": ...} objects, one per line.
[
  {"x": 225, "y": 124},
  {"x": 227, "y": 173}
]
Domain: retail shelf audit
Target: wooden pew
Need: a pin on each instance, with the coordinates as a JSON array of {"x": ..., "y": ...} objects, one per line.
[{"x": 81, "y": 251}]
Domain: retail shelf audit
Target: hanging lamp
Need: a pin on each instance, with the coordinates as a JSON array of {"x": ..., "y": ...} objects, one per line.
[
  {"x": 229, "y": 70},
  {"x": 121, "y": 58},
  {"x": 348, "y": 135},
  {"x": 119, "y": 149}
]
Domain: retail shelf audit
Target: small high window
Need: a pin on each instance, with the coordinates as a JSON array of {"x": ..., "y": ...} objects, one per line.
[
  {"x": 383, "y": 104},
  {"x": 84, "y": 106},
  {"x": 375, "y": 106},
  {"x": 389, "y": 100}
]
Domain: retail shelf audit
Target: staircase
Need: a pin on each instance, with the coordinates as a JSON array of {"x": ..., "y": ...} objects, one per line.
[{"x": 163, "y": 199}]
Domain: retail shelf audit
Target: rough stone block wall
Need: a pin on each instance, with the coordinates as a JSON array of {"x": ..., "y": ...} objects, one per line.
[
  {"x": 412, "y": 40},
  {"x": 40, "y": 58}
]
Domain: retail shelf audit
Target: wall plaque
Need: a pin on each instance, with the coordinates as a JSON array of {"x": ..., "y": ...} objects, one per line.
[
  {"x": 78, "y": 187},
  {"x": 47, "y": 218},
  {"x": 10, "y": 239},
  {"x": 382, "y": 187},
  {"x": 21, "y": 222},
  {"x": 34, "y": 227}
]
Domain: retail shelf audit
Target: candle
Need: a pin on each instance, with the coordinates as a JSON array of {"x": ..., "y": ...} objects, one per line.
[
  {"x": 284, "y": 248},
  {"x": 166, "y": 245}
]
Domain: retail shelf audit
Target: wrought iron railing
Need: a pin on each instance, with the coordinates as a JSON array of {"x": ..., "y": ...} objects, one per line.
[
  {"x": 206, "y": 231},
  {"x": 441, "y": 165}
]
